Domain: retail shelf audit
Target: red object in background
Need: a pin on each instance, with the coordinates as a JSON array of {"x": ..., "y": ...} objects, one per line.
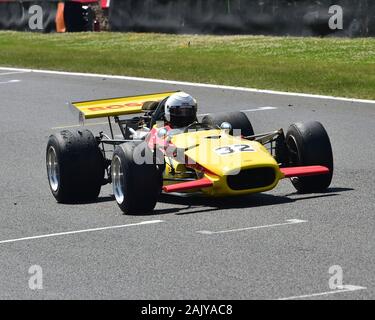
[
  {"x": 85, "y": 1},
  {"x": 104, "y": 3},
  {"x": 60, "y": 23}
]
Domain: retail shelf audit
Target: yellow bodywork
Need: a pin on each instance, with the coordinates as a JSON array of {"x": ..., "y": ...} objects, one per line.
[
  {"x": 202, "y": 148},
  {"x": 117, "y": 106}
]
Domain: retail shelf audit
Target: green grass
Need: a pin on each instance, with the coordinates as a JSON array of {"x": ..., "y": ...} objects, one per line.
[{"x": 331, "y": 66}]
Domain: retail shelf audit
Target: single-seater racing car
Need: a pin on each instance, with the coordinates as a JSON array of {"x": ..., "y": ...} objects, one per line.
[{"x": 166, "y": 149}]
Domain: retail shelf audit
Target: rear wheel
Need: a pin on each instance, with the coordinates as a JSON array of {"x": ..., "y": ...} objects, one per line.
[
  {"x": 241, "y": 124},
  {"x": 136, "y": 185},
  {"x": 308, "y": 144},
  {"x": 75, "y": 166}
]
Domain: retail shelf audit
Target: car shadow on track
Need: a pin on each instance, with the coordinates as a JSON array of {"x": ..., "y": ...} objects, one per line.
[
  {"x": 108, "y": 198},
  {"x": 322, "y": 194},
  {"x": 206, "y": 204},
  {"x": 199, "y": 204}
]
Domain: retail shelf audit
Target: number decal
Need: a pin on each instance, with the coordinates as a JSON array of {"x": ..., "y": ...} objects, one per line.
[{"x": 234, "y": 149}]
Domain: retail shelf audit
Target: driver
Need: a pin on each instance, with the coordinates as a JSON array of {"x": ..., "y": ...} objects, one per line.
[{"x": 180, "y": 110}]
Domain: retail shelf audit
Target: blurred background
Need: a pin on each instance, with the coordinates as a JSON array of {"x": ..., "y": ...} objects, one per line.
[{"x": 266, "y": 17}]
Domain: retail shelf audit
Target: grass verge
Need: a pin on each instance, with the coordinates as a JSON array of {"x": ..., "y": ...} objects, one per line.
[{"x": 330, "y": 66}]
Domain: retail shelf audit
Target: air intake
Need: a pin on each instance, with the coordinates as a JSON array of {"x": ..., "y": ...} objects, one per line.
[{"x": 252, "y": 179}]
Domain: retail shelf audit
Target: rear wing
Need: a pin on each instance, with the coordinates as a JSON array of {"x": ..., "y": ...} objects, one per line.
[{"x": 116, "y": 106}]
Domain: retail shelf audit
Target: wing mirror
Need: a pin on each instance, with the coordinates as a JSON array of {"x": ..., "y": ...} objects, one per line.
[{"x": 226, "y": 126}]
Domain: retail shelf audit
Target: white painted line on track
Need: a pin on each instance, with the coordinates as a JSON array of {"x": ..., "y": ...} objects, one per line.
[
  {"x": 81, "y": 231},
  {"x": 13, "y": 72},
  {"x": 192, "y": 84},
  {"x": 248, "y": 110},
  {"x": 10, "y": 81},
  {"x": 200, "y": 115},
  {"x": 288, "y": 222},
  {"x": 345, "y": 288},
  {"x": 260, "y": 109}
]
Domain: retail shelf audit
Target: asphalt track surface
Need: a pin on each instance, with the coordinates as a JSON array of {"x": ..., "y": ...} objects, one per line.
[{"x": 169, "y": 259}]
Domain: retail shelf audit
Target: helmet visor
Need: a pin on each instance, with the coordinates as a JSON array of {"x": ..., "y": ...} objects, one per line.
[{"x": 183, "y": 111}]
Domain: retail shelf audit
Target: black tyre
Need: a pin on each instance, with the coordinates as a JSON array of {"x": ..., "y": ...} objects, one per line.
[
  {"x": 308, "y": 144},
  {"x": 75, "y": 166},
  {"x": 238, "y": 120},
  {"x": 136, "y": 184}
]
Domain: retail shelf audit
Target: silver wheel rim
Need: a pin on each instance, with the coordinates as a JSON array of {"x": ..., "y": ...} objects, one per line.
[
  {"x": 117, "y": 180},
  {"x": 53, "y": 169}
]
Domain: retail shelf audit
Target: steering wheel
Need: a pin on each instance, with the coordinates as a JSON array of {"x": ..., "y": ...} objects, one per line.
[{"x": 197, "y": 125}]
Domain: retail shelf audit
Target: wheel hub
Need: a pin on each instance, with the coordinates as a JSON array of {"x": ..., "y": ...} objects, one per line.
[
  {"x": 53, "y": 169},
  {"x": 117, "y": 180}
]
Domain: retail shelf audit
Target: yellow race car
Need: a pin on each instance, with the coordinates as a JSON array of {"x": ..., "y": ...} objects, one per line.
[{"x": 217, "y": 156}]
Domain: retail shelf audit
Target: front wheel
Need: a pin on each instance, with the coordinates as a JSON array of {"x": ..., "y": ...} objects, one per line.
[
  {"x": 308, "y": 144},
  {"x": 240, "y": 123}
]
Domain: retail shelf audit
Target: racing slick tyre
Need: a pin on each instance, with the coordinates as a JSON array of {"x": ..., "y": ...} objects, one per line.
[
  {"x": 75, "y": 166},
  {"x": 136, "y": 180},
  {"x": 237, "y": 119},
  {"x": 308, "y": 144}
]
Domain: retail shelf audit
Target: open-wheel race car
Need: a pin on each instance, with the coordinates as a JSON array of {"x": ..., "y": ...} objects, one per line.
[{"x": 167, "y": 149}]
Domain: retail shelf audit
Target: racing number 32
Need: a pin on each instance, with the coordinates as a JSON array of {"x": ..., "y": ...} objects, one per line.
[{"x": 234, "y": 149}]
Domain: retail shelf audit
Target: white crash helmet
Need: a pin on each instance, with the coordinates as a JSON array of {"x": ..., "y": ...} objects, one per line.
[{"x": 180, "y": 109}]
